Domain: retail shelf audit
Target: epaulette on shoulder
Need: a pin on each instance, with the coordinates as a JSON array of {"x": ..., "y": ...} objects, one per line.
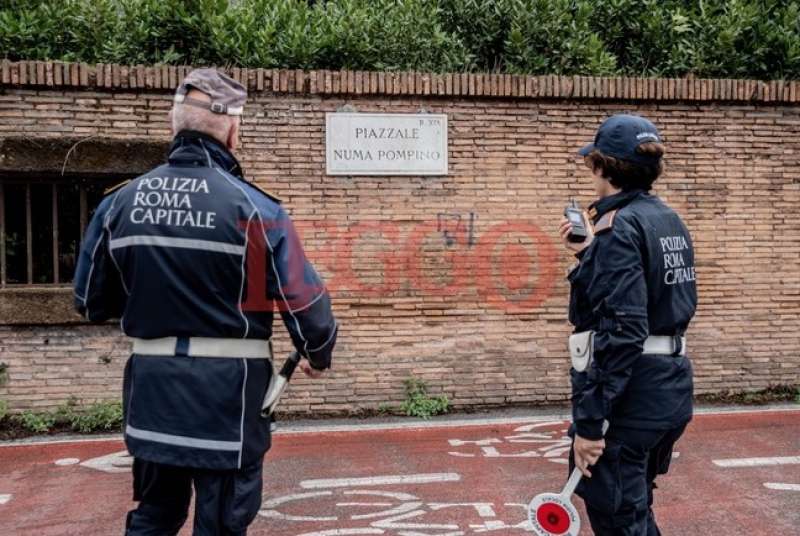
[
  {"x": 115, "y": 187},
  {"x": 268, "y": 194},
  {"x": 605, "y": 223}
]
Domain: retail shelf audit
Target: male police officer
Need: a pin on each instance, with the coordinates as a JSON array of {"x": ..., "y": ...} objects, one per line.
[
  {"x": 633, "y": 295},
  {"x": 173, "y": 254}
]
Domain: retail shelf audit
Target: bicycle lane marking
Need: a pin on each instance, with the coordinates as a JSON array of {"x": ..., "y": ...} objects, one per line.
[
  {"x": 398, "y": 513},
  {"x": 518, "y": 454},
  {"x": 426, "y": 504},
  {"x": 553, "y": 445}
]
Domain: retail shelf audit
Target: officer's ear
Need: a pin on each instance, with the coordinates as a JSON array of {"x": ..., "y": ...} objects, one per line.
[{"x": 233, "y": 135}]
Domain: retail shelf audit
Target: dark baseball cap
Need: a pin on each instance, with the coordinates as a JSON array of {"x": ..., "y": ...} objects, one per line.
[
  {"x": 227, "y": 95},
  {"x": 621, "y": 134}
]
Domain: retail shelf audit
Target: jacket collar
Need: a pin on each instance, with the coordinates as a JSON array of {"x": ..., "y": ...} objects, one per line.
[
  {"x": 613, "y": 202},
  {"x": 199, "y": 149}
]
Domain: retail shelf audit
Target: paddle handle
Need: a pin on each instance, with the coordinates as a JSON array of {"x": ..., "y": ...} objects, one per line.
[{"x": 572, "y": 483}]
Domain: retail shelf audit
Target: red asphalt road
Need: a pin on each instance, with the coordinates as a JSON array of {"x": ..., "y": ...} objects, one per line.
[{"x": 465, "y": 480}]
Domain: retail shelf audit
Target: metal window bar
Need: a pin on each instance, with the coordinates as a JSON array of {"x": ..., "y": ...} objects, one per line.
[
  {"x": 2, "y": 235},
  {"x": 84, "y": 210},
  {"x": 54, "y": 207},
  {"x": 83, "y": 214},
  {"x": 29, "y": 232}
]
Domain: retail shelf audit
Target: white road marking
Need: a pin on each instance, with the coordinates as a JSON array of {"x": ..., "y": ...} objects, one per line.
[
  {"x": 479, "y": 442},
  {"x": 407, "y": 506},
  {"x": 363, "y": 504},
  {"x": 67, "y": 461},
  {"x": 758, "y": 462},
  {"x": 531, "y": 427},
  {"x": 268, "y": 508},
  {"x": 116, "y": 462},
  {"x": 407, "y": 518},
  {"x": 4, "y": 498},
  {"x": 343, "y": 532},
  {"x": 423, "y": 478},
  {"x": 782, "y": 487},
  {"x": 400, "y": 522},
  {"x": 482, "y": 509},
  {"x": 547, "y": 444}
]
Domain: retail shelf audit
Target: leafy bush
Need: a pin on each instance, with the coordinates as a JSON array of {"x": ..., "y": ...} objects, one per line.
[
  {"x": 104, "y": 416},
  {"x": 556, "y": 37},
  {"x": 99, "y": 417},
  {"x": 38, "y": 423},
  {"x": 384, "y": 409},
  {"x": 772, "y": 394},
  {"x": 718, "y": 38},
  {"x": 419, "y": 404},
  {"x": 3, "y": 410},
  {"x": 483, "y": 26}
]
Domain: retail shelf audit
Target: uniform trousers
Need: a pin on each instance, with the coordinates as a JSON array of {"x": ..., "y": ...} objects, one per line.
[
  {"x": 619, "y": 495},
  {"x": 226, "y": 501}
]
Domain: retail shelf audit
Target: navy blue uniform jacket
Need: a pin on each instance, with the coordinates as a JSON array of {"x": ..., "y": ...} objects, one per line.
[
  {"x": 637, "y": 278},
  {"x": 174, "y": 253}
]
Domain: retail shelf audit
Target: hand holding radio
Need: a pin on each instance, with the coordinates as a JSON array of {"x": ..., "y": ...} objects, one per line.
[{"x": 575, "y": 230}]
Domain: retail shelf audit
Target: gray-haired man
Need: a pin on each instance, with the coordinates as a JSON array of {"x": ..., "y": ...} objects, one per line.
[{"x": 177, "y": 254}]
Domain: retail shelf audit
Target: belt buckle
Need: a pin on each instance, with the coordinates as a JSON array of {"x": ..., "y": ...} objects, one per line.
[{"x": 182, "y": 345}]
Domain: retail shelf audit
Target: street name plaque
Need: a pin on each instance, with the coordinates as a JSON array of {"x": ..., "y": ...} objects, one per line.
[{"x": 385, "y": 144}]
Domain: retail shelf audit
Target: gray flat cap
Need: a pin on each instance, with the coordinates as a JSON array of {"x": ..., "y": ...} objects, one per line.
[{"x": 227, "y": 95}]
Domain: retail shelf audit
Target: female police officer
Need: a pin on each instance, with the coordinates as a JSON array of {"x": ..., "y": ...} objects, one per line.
[{"x": 633, "y": 295}]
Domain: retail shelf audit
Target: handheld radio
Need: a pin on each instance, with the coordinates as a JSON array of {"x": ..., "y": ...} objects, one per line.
[{"x": 575, "y": 216}]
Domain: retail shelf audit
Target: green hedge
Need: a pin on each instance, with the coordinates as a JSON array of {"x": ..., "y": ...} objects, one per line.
[{"x": 713, "y": 38}]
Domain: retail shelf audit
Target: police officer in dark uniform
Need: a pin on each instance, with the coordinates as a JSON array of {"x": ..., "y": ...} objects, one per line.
[
  {"x": 176, "y": 254},
  {"x": 633, "y": 294}
]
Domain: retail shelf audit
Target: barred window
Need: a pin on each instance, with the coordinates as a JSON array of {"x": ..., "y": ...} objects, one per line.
[{"x": 42, "y": 222}]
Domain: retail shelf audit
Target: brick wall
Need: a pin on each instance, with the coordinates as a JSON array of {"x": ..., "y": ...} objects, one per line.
[{"x": 418, "y": 293}]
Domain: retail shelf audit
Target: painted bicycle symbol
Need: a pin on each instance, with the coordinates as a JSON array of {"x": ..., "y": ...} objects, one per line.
[
  {"x": 548, "y": 440},
  {"x": 339, "y": 507}
]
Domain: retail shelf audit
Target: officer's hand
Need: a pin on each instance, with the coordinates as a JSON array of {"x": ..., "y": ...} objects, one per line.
[
  {"x": 587, "y": 452},
  {"x": 566, "y": 228},
  {"x": 308, "y": 370}
]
